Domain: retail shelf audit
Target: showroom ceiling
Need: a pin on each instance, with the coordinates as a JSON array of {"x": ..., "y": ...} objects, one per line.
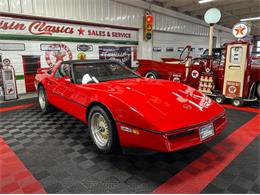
[{"x": 232, "y": 10}]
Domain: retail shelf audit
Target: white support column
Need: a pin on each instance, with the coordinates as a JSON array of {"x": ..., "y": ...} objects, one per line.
[{"x": 211, "y": 29}]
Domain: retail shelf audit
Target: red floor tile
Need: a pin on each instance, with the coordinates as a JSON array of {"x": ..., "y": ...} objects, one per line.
[{"x": 15, "y": 178}]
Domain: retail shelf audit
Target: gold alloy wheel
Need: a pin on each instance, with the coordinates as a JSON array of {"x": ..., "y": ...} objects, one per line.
[
  {"x": 100, "y": 129},
  {"x": 42, "y": 99}
]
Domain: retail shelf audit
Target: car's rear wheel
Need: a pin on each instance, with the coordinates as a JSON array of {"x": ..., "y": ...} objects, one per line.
[
  {"x": 45, "y": 106},
  {"x": 151, "y": 75},
  {"x": 258, "y": 90},
  {"x": 238, "y": 102},
  {"x": 103, "y": 130}
]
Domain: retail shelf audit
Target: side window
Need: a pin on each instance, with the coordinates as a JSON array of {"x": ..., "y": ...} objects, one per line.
[
  {"x": 63, "y": 70},
  {"x": 57, "y": 74}
]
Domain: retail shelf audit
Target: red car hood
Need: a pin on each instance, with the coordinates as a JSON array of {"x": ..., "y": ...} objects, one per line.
[{"x": 166, "y": 105}]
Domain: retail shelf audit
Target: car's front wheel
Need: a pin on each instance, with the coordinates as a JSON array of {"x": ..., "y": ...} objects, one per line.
[
  {"x": 103, "y": 130},
  {"x": 220, "y": 99},
  {"x": 43, "y": 100}
]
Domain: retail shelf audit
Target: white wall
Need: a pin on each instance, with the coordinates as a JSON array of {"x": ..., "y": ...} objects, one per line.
[
  {"x": 165, "y": 39},
  {"x": 98, "y": 11},
  {"x": 116, "y": 12},
  {"x": 33, "y": 48}
]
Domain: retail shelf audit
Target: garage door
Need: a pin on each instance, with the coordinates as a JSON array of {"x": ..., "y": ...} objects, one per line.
[{"x": 169, "y": 45}]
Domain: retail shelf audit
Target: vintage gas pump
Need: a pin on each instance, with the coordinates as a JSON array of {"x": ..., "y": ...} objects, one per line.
[
  {"x": 8, "y": 80},
  {"x": 237, "y": 68}
]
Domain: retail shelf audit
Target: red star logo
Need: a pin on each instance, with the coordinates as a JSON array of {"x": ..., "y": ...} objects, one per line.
[
  {"x": 81, "y": 31},
  {"x": 239, "y": 30}
]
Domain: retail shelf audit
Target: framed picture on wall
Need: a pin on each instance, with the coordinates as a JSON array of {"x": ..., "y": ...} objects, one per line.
[
  {"x": 50, "y": 47},
  {"x": 169, "y": 49},
  {"x": 12, "y": 47},
  {"x": 85, "y": 48},
  {"x": 157, "y": 49},
  {"x": 121, "y": 54}
]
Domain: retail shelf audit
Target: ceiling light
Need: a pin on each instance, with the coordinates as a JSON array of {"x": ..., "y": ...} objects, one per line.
[
  {"x": 248, "y": 19},
  {"x": 204, "y": 1}
]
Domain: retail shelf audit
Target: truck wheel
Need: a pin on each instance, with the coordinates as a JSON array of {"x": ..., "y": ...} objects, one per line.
[
  {"x": 258, "y": 90},
  {"x": 45, "y": 106},
  {"x": 220, "y": 99},
  {"x": 151, "y": 75},
  {"x": 103, "y": 130},
  {"x": 238, "y": 102}
]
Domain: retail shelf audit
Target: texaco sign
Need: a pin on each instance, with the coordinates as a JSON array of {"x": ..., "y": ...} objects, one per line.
[{"x": 240, "y": 30}]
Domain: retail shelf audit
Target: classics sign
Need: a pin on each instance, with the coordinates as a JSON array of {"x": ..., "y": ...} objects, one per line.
[
  {"x": 45, "y": 28},
  {"x": 240, "y": 30}
]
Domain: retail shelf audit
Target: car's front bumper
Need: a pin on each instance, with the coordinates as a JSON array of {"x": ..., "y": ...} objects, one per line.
[{"x": 169, "y": 141}]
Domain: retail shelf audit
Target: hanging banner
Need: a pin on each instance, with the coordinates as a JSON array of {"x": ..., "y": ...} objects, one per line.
[
  {"x": 121, "y": 54},
  {"x": 10, "y": 26}
]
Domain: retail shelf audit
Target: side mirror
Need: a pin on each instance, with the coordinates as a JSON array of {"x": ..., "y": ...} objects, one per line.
[{"x": 65, "y": 79}]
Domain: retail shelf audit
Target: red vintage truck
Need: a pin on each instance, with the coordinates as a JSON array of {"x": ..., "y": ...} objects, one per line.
[{"x": 234, "y": 75}]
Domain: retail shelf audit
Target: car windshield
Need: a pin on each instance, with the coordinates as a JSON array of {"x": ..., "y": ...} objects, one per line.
[{"x": 101, "y": 72}]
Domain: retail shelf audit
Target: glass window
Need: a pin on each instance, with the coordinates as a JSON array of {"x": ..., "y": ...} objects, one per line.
[
  {"x": 236, "y": 55},
  {"x": 169, "y": 49},
  {"x": 63, "y": 70},
  {"x": 258, "y": 43},
  {"x": 57, "y": 74},
  {"x": 157, "y": 49},
  {"x": 100, "y": 72},
  {"x": 8, "y": 75}
]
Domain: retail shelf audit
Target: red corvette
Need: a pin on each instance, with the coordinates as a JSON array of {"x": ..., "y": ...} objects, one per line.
[{"x": 122, "y": 108}]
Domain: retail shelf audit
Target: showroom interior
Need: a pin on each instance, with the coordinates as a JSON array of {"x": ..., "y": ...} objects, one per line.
[{"x": 129, "y": 97}]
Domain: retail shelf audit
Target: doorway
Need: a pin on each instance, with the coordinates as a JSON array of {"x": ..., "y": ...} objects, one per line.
[{"x": 30, "y": 66}]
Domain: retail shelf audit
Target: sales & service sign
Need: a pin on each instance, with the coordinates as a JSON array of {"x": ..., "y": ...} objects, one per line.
[{"x": 11, "y": 26}]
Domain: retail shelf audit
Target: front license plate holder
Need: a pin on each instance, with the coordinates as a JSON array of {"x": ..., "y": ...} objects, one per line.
[{"x": 206, "y": 131}]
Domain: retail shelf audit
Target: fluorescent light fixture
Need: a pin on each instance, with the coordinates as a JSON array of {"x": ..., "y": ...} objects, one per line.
[
  {"x": 249, "y": 19},
  {"x": 204, "y": 1}
]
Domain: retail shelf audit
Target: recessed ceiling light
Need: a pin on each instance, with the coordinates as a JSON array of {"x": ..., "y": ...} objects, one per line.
[
  {"x": 249, "y": 19},
  {"x": 204, "y": 1}
]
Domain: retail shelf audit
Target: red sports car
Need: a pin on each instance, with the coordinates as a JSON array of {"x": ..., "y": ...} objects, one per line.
[{"x": 123, "y": 109}]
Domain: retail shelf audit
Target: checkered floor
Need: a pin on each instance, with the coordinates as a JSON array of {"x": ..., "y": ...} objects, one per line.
[
  {"x": 242, "y": 175},
  {"x": 58, "y": 151}
]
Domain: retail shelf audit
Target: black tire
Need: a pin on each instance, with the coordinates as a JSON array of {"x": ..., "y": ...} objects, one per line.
[
  {"x": 238, "y": 102},
  {"x": 47, "y": 107},
  {"x": 112, "y": 144},
  {"x": 151, "y": 74},
  {"x": 258, "y": 90},
  {"x": 220, "y": 99}
]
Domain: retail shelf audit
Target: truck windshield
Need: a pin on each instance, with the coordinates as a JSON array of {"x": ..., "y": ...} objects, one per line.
[{"x": 101, "y": 72}]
